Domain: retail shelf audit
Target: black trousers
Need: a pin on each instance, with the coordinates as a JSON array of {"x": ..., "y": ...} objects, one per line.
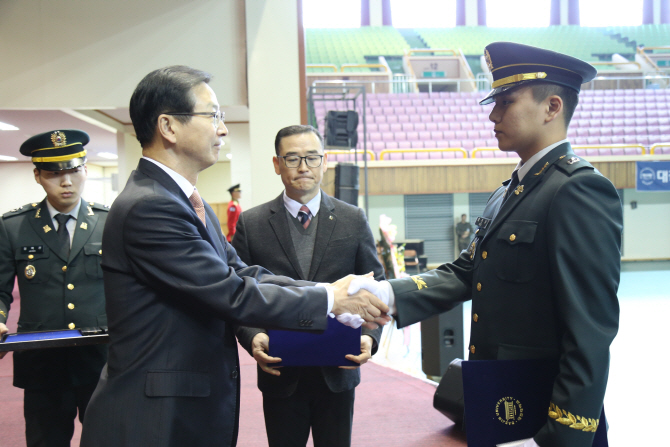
[
  {"x": 50, "y": 414},
  {"x": 330, "y": 415}
]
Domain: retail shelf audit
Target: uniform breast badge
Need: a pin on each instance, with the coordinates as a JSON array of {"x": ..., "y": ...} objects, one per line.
[
  {"x": 518, "y": 190},
  {"x": 420, "y": 283},
  {"x": 30, "y": 271},
  {"x": 83, "y": 226},
  {"x": 46, "y": 228}
]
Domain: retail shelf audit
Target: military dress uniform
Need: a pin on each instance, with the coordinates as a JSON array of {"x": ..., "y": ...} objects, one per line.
[
  {"x": 542, "y": 271},
  {"x": 233, "y": 212},
  {"x": 58, "y": 291}
]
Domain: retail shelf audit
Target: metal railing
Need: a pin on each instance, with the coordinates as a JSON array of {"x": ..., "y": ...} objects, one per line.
[
  {"x": 414, "y": 151},
  {"x": 610, "y": 146},
  {"x": 401, "y": 85},
  {"x": 653, "y": 148},
  {"x": 354, "y": 152}
]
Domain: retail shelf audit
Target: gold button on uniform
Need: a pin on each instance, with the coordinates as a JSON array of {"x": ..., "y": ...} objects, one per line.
[
  {"x": 479, "y": 287},
  {"x": 70, "y": 286},
  {"x": 512, "y": 237},
  {"x": 484, "y": 254},
  {"x": 475, "y": 318},
  {"x": 100, "y": 252},
  {"x": 70, "y": 306},
  {"x": 71, "y": 325},
  {"x": 64, "y": 268},
  {"x": 31, "y": 256},
  {"x": 472, "y": 349}
]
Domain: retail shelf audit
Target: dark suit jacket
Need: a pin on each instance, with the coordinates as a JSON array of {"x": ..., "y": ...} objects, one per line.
[
  {"x": 46, "y": 301},
  {"x": 344, "y": 245},
  {"x": 543, "y": 279},
  {"x": 173, "y": 290}
]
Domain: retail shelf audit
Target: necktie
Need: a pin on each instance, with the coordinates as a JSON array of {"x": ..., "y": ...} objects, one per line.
[
  {"x": 63, "y": 234},
  {"x": 512, "y": 185},
  {"x": 198, "y": 205},
  {"x": 303, "y": 215}
]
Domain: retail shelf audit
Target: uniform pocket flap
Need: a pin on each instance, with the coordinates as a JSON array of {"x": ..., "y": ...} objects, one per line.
[
  {"x": 518, "y": 232},
  {"x": 177, "y": 384},
  {"x": 94, "y": 248}
]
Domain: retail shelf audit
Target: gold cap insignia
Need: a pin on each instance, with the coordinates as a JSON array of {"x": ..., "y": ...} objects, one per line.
[
  {"x": 83, "y": 226},
  {"x": 30, "y": 271},
  {"x": 518, "y": 190},
  {"x": 488, "y": 60},
  {"x": 58, "y": 139},
  {"x": 420, "y": 283},
  {"x": 46, "y": 228}
]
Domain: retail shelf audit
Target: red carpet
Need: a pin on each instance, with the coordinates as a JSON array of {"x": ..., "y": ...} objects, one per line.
[{"x": 392, "y": 408}]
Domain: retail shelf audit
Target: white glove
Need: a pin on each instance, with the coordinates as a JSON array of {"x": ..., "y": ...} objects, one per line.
[
  {"x": 374, "y": 287},
  {"x": 354, "y": 321}
]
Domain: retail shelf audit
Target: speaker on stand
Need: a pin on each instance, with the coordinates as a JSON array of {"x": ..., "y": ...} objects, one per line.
[{"x": 341, "y": 131}]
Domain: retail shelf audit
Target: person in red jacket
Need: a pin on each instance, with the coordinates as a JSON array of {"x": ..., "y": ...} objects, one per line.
[{"x": 234, "y": 210}]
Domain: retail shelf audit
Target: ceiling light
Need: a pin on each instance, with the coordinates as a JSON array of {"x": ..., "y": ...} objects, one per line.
[
  {"x": 5, "y": 126},
  {"x": 108, "y": 155},
  {"x": 7, "y": 158}
]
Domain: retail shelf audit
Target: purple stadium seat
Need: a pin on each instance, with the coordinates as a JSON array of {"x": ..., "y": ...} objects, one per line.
[
  {"x": 643, "y": 140},
  {"x": 638, "y": 122},
  {"x": 404, "y": 145},
  {"x": 442, "y": 126},
  {"x": 430, "y": 127},
  {"x": 395, "y": 156},
  {"x": 598, "y": 100},
  {"x": 486, "y": 133},
  {"x": 427, "y": 102},
  {"x": 417, "y": 144},
  {"x": 580, "y": 141},
  {"x": 597, "y": 114},
  {"x": 586, "y": 93},
  {"x": 408, "y": 111},
  {"x": 420, "y": 126},
  {"x": 619, "y": 106},
  {"x": 450, "y": 135},
  {"x": 437, "y": 118},
  {"x": 621, "y": 114},
  {"x": 389, "y": 136},
  {"x": 598, "y": 92},
  {"x": 500, "y": 154},
  {"x": 617, "y": 139},
  {"x": 460, "y": 101},
  {"x": 421, "y": 110},
  {"x": 580, "y": 152},
  {"x": 587, "y": 108},
  {"x": 375, "y": 136},
  {"x": 442, "y": 144},
  {"x": 594, "y": 122},
  {"x": 606, "y": 140},
  {"x": 608, "y": 99},
  {"x": 444, "y": 110},
  {"x": 383, "y": 102},
  {"x": 461, "y": 117},
  {"x": 424, "y": 136},
  {"x": 630, "y": 139},
  {"x": 432, "y": 110},
  {"x": 406, "y": 102},
  {"x": 478, "y": 125},
  {"x": 391, "y": 145},
  {"x": 396, "y": 127},
  {"x": 468, "y": 144},
  {"x": 383, "y": 127},
  {"x": 653, "y": 121},
  {"x": 591, "y": 132},
  {"x": 663, "y": 113},
  {"x": 492, "y": 142},
  {"x": 407, "y": 127},
  {"x": 378, "y": 146},
  {"x": 640, "y": 113},
  {"x": 632, "y": 151},
  {"x": 599, "y": 107},
  {"x": 461, "y": 134},
  {"x": 429, "y": 144},
  {"x": 593, "y": 141},
  {"x": 380, "y": 119},
  {"x": 583, "y": 132},
  {"x": 436, "y": 135},
  {"x": 473, "y": 134},
  {"x": 641, "y": 130},
  {"x": 572, "y": 133},
  {"x": 454, "y": 125},
  {"x": 455, "y": 143},
  {"x": 402, "y": 118},
  {"x": 653, "y": 130},
  {"x": 605, "y": 131},
  {"x": 466, "y": 125},
  {"x": 400, "y": 136},
  {"x": 480, "y": 143},
  {"x": 415, "y": 118},
  {"x": 397, "y": 103},
  {"x": 454, "y": 109},
  {"x": 412, "y": 136},
  {"x": 389, "y": 110},
  {"x": 664, "y": 130}
]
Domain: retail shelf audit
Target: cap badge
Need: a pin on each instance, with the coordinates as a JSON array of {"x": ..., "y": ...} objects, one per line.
[
  {"x": 58, "y": 139},
  {"x": 488, "y": 60}
]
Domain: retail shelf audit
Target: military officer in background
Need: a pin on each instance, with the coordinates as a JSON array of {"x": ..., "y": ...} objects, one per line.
[
  {"x": 543, "y": 269},
  {"x": 234, "y": 210},
  {"x": 54, "y": 248}
]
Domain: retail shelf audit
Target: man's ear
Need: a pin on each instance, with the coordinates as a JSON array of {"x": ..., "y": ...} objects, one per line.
[
  {"x": 325, "y": 161},
  {"x": 275, "y": 162},
  {"x": 37, "y": 176},
  {"x": 554, "y": 108},
  {"x": 166, "y": 128}
]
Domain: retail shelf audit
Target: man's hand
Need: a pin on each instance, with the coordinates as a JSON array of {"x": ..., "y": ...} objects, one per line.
[
  {"x": 363, "y": 303},
  {"x": 366, "y": 353},
  {"x": 259, "y": 346},
  {"x": 3, "y": 329}
]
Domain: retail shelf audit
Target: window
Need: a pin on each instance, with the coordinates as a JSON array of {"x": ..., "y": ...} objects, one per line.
[
  {"x": 331, "y": 14},
  {"x": 423, "y": 13},
  {"x": 519, "y": 14},
  {"x": 610, "y": 12}
]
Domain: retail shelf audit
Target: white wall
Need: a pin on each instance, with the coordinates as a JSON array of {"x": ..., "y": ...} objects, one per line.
[
  {"x": 646, "y": 234},
  {"x": 92, "y": 53}
]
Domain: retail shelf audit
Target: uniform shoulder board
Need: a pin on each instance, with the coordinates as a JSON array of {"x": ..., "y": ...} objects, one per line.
[
  {"x": 22, "y": 209},
  {"x": 98, "y": 206},
  {"x": 572, "y": 163}
]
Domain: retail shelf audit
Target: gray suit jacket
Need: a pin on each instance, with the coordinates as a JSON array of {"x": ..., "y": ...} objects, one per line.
[
  {"x": 173, "y": 289},
  {"x": 344, "y": 245}
]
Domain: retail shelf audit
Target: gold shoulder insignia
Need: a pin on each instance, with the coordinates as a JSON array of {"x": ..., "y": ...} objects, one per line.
[
  {"x": 420, "y": 283},
  {"x": 576, "y": 422},
  {"x": 543, "y": 168}
]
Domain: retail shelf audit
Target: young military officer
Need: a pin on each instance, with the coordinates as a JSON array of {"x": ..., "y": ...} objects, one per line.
[
  {"x": 54, "y": 248},
  {"x": 543, "y": 269}
]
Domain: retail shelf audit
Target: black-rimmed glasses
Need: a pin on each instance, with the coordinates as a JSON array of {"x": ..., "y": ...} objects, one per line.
[
  {"x": 217, "y": 117},
  {"x": 293, "y": 161}
]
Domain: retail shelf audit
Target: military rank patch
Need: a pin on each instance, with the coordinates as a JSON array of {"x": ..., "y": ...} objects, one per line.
[
  {"x": 420, "y": 283},
  {"x": 83, "y": 226},
  {"x": 46, "y": 228}
]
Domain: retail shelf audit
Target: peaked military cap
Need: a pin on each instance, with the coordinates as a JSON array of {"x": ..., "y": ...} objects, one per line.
[
  {"x": 57, "y": 150},
  {"x": 234, "y": 188},
  {"x": 514, "y": 64}
]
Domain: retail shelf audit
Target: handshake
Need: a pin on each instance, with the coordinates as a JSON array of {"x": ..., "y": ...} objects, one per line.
[{"x": 360, "y": 300}]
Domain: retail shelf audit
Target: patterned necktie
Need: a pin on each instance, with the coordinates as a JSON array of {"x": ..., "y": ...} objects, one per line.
[
  {"x": 303, "y": 215},
  {"x": 63, "y": 234},
  {"x": 198, "y": 205}
]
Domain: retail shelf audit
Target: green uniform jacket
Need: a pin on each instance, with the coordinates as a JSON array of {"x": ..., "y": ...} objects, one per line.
[
  {"x": 56, "y": 293},
  {"x": 543, "y": 275}
]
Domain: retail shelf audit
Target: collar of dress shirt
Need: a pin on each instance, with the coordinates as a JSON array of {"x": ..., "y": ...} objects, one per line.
[
  {"x": 293, "y": 207},
  {"x": 53, "y": 211},
  {"x": 523, "y": 168},
  {"x": 184, "y": 184}
]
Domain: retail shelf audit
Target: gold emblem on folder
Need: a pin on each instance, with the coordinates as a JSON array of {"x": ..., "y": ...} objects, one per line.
[{"x": 509, "y": 410}]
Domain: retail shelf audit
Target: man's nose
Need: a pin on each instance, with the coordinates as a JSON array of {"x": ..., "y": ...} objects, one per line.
[
  {"x": 66, "y": 180},
  {"x": 222, "y": 129},
  {"x": 303, "y": 165},
  {"x": 494, "y": 116}
]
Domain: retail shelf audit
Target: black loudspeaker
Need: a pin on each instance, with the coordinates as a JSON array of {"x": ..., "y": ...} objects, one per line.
[
  {"x": 441, "y": 341},
  {"x": 346, "y": 183},
  {"x": 341, "y": 129},
  {"x": 448, "y": 398}
]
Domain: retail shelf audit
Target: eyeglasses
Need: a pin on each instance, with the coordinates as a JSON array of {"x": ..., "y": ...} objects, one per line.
[
  {"x": 217, "y": 117},
  {"x": 293, "y": 161}
]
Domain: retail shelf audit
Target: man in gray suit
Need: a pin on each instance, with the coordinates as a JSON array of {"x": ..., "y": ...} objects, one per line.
[
  {"x": 175, "y": 287},
  {"x": 306, "y": 235}
]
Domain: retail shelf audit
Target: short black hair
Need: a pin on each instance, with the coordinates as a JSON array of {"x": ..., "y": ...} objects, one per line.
[
  {"x": 295, "y": 130},
  {"x": 167, "y": 89},
  {"x": 570, "y": 97}
]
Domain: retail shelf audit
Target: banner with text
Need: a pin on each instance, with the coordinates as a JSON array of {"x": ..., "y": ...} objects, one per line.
[{"x": 653, "y": 176}]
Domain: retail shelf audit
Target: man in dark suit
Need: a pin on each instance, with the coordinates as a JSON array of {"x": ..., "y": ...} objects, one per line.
[
  {"x": 54, "y": 248},
  {"x": 304, "y": 234},
  {"x": 175, "y": 286},
  {"x": 543, "y": 269}
]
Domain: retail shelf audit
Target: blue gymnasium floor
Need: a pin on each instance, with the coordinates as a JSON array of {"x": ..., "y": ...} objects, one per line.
[{"x": 638, "y": 392}]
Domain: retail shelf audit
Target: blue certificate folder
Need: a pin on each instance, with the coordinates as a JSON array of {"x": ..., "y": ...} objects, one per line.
[
  {"x": 307, "y": 349},
  {"x": 508, "y": 400},
  {"x": 53, "y": 339}
]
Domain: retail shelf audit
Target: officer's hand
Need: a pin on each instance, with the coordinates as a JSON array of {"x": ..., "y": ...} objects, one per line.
[
  {"x": 259, "y": 346},
  {"x": 366, "y": 353},
  {"x": 3, "y": 329}
]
